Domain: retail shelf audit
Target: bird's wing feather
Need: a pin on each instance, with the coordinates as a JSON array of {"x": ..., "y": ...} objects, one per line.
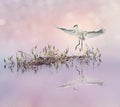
[
  {"x": 69, "y": 31},
  {"x": 92, "y": 34}
]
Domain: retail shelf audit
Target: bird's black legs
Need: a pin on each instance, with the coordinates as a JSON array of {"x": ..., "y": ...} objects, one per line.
[
  {"x": 77, "y": 45},
  {"x": 80, "y": 43}
]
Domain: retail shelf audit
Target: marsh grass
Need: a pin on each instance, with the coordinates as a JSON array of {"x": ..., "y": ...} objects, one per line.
[{"x": 50, "y": 56}]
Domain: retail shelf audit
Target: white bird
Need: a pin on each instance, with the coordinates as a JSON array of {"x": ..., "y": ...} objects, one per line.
[{"x": 82, "y": 35}]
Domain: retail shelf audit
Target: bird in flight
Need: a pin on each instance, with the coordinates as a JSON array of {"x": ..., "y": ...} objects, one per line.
[{"x": 82, "y": 35}]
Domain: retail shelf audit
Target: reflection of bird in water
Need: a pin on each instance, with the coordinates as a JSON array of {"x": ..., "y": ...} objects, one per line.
[
  {"x": 82, "y": 35},
  {"x": 81, "y": 80}
]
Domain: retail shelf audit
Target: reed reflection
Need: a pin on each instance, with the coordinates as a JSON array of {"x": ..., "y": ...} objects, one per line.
[{"x": 51, "y": 57}]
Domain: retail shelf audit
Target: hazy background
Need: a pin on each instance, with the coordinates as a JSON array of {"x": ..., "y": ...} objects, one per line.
[{"x": 26, "y": 23}]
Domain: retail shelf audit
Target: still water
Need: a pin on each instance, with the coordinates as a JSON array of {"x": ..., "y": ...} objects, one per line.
[{"x": 47, "y": 87}]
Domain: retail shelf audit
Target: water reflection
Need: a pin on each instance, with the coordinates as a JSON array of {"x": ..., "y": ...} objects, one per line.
[
  {"x": 81, "y": 80},
  {"x": 52, "y": 58}
]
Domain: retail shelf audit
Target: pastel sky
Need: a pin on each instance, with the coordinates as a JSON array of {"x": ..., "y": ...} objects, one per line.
[{"x": 26, "y": 23}]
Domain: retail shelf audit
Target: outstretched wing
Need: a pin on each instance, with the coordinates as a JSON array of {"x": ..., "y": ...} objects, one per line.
[
  {"x": 69, "y": 31},
  {"x": 94, "y": 33}
]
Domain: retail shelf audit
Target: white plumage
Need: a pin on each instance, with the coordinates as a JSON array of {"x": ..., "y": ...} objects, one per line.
[{"x": 82, "y": 35}]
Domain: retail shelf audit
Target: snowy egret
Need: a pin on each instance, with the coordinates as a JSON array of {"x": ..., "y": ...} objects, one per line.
[{"x": 82, "y": 35}]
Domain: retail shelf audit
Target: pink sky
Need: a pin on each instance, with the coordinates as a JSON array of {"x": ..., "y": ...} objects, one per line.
[
  {"x": 25, "y": 23},
  {"x": 30, "y": 22}
]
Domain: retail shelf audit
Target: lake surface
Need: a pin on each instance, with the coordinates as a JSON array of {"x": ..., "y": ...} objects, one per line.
[{"x": 42, "y": 89}]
